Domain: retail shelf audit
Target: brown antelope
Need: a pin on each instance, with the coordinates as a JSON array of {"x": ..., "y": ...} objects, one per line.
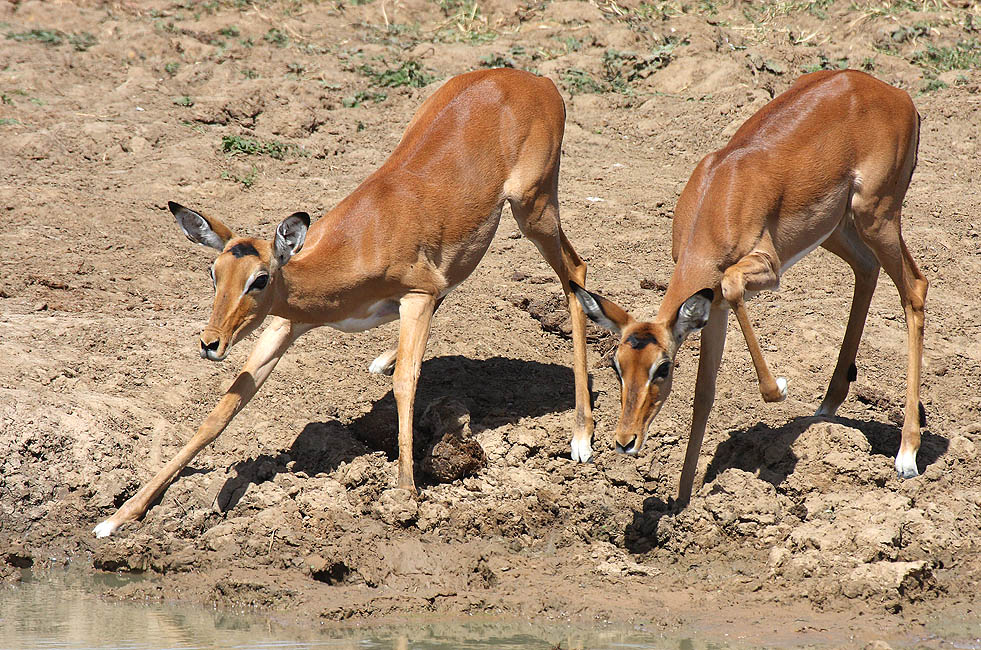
[
  {"x": 394, "y": 248},
  {"x": 827, "y": 163}
]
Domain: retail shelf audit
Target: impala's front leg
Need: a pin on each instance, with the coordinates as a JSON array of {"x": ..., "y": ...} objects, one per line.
[
  {"x": 415, "y": 318},
  {"x": 713, "y": 342},
  {"x": 755, "y": 272},
  {"x": 384, "y": 363},
  {"x": 271, "y": 345}
]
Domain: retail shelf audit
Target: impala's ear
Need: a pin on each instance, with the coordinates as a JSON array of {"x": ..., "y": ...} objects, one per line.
[
  {"x": 600, "y": 310},
  {"x": 206, "y": 231},
  {"x": 290, "y": 236},
  {"x": 693, "y": 314}
]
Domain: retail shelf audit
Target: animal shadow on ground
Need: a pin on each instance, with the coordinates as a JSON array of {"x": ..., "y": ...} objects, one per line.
[
  {"x": 497, "y": 391},
  {"x": 766, "y": 451}
]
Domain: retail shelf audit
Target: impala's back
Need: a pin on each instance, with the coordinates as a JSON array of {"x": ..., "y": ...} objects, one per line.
[
  {"x": 482, "y": 138},
  {"x": 797, "y": 165}
]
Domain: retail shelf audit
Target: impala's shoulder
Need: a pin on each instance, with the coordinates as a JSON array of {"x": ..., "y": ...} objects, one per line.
[
  {"x": 503, "y": 79},
  {"x": 850, "y": 82}
]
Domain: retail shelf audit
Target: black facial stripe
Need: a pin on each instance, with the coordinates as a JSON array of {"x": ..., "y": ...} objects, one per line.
[
  {"x": 241, "y": 250},
  {"x": 639, "y": 341}
]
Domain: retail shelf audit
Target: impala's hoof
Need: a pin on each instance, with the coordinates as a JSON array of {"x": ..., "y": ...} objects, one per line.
[
  {"x": 906, "y": 464},
  {"x": 824, "y": 412},
  {"x": 781, "y": 393},
  {"x": 582, "y": 450},
  {"x": 384, "y": 364},
  {"x": 105, "y": 529}
]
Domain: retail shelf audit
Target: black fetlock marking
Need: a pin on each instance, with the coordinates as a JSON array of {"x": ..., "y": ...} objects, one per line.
[
  {"x": 922, "y": 414},
  {"x": 852, "y": 373}
]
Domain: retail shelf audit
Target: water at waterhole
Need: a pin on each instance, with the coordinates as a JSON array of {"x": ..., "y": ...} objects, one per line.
[{"x": 65, "y": 611}]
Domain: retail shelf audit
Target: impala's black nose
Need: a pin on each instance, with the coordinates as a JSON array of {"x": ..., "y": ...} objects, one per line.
[
  {"x": 212, "y": 347},
  {"x": 628, "y": 448}
]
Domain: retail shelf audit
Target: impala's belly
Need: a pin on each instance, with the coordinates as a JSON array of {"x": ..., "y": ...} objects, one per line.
[
  {"x": 784, "y": 265},
  {"x": 820, "y": 219},
  {"x": 460, "y": 258},
  {"x": 379, "y": 313}
]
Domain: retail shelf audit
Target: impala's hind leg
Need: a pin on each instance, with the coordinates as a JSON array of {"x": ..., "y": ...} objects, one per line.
[
  {"x": 538, "y": 219},
  {"x": 846, "y": 244},
  {"x": 879, "y": 227}
]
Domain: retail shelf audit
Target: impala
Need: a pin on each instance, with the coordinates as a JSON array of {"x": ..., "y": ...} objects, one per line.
[
  {"x": 826, "y": 163},
  {"x": 394, "y": 248}
]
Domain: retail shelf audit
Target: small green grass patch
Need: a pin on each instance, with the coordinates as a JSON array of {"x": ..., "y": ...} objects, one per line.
[
  {"x": 963, "y": 55},
  {"x": 408, "y": 73},
  {"x": 363, "y": 97},
  {"x": 54, "y": 37},
  {"x": 240, "y": 145}
]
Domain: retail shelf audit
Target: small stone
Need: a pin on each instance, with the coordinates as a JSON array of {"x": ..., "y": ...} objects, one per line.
[
  {"x": 878, "y": 644},
  {"x": 778, "y": 556}
]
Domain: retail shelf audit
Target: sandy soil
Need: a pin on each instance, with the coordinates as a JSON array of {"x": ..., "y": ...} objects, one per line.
[{"x": 801, "y": 531}]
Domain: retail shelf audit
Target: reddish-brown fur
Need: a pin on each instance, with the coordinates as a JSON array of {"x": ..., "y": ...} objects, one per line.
[
  {"x": 825, "y": 163},
  {"x": 394, "y": 247}
]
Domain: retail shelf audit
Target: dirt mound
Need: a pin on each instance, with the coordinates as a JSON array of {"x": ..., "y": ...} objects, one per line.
[
  {"x": 827, "y": 513},
  {"x": 252, "y": 111}
]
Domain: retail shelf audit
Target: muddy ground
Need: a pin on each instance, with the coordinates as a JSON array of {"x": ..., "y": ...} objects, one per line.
[{"x": 802, "y": 529}]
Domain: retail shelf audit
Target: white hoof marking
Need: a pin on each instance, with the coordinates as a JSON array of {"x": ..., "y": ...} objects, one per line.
[
  {"x": 906, "y": 464},
  {"x": 384, "y": 364},
  {"x": 105, "y": 529},
  {"x": 782, "y": 387},
  {"x": 581, "y": 450}
]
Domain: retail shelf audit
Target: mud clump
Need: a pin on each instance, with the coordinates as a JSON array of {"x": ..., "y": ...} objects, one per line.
[
  {"x": 735, "y": 505},
  {"x": 454, "y": 452},
  {"x": 891, "y": 583},
  {"x": 552, "y": 313}
]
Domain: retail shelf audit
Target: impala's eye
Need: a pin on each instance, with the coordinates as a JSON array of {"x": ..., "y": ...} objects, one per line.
[
  {"x": 661, "y": 371},
  {"x": 259, "y": 283}
]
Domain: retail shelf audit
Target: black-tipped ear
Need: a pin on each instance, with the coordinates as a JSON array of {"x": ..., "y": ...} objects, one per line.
[
  {"x": 600, "y": 310},
  {"x": 290, "y": 235},
  {"x": 200, "y": 229},
  {"x": 693, "y": 314}
]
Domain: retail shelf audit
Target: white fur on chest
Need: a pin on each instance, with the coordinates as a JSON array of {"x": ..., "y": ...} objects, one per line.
[{"x": 379, "y": 313}]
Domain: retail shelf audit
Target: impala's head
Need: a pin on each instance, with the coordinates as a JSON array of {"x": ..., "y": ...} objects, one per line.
[
  {"x": 245, "y": 274},
  {"x": 644, "y": 359}
]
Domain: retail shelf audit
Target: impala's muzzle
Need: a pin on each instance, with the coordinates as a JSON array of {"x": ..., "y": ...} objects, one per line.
[
  {"x": 631, "y": 448},
  {"x": 213, "y": 350}
]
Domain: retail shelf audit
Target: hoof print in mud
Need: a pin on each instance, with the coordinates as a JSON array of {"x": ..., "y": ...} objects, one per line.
[{"x": 453, "y": 453}]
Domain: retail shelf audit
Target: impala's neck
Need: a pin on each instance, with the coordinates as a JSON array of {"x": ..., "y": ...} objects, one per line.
[
  {"x": 339, "y": 272},
  {"x": 691, "y": 275}
]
